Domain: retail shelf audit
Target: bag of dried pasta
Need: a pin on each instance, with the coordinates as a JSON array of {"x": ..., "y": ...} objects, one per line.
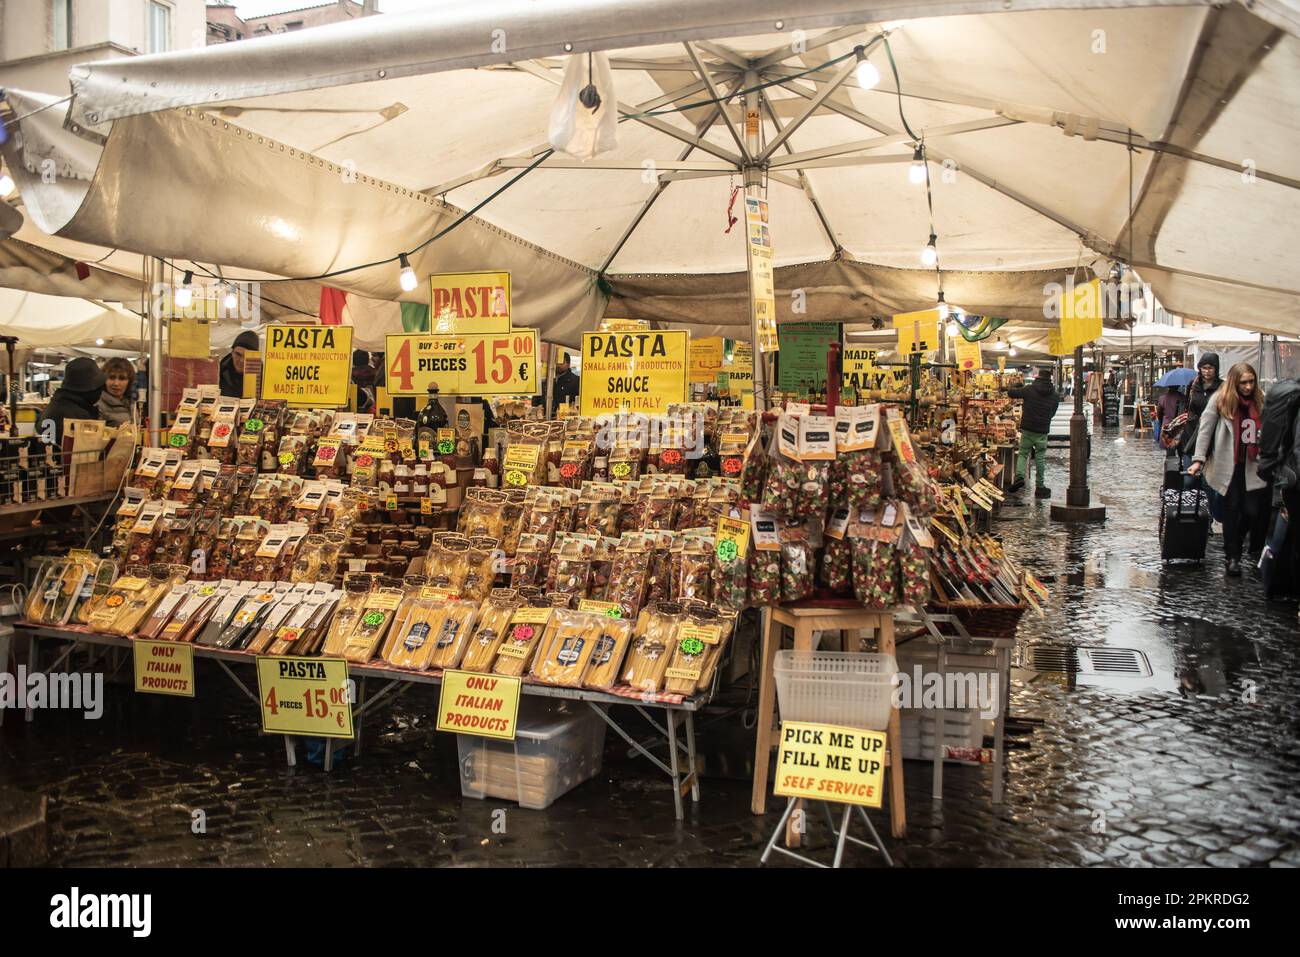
[
  {"x": 694, "y": 578},
  {"x": 493, "y": 620},
  {"x": 647, "y": 658},
  {"x": 698, "y": 647},
  {"x": 566, "y": 648},
  {"x": 607, "y": 656},
  {"x": 521, "y": 639}
]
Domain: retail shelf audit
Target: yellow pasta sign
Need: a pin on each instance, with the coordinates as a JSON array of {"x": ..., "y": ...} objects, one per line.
[
  {"x": 917, "y": 331},
  {"x": 469, "y": 302},
  {"x": 967, "y": 355},
  {"x": 1081, "y": 311},
  {"x": 829, "y": 763},
  {"x": 305, "y": 696},
  {"x": 858, "y": 369},
  {"x": 642, "y": 372},
  {"x": 307, "y": 365}
]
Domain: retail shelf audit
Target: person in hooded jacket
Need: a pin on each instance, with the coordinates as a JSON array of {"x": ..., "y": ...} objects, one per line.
[
  {"x": 1198, "y": 395},
  {"x": 365, "y": 377},
  {"x": 1039, "y": 404},
  {"x": 76, "y": 398},
  {"x": 232, "y": 364}
]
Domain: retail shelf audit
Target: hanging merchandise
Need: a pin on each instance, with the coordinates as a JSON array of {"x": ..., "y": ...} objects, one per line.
[{"x": 584, "y": 119}]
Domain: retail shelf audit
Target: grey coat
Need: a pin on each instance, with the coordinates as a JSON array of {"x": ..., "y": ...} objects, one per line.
[
  {"x": 1219, "y": 463},
  {"x": 116, "y": 411}
]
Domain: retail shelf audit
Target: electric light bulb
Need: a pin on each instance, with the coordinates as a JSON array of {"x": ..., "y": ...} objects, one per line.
[
  {"x": 930, "y": 254},
  {"x": 6, "y": 184},
  {"x": 916, "y": 172},
  {"x": 407, "y": 277},
  {"x": 1012, "y": 352},
  {"x": 184, "y": 294},
  {"x": 231, "y": 299},
  {"x": 99, "y": 342},
  {"x": 943, "y": 312},
  {"x": 952, "y": 329},
  {"x": 868, "y": 75}
]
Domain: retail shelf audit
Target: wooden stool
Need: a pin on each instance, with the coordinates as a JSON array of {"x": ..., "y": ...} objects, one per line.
[{"x": 805, "y": 621}]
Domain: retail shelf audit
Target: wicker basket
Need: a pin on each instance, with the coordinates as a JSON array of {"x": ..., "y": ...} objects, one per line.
[{"x": 985, "y": 621}]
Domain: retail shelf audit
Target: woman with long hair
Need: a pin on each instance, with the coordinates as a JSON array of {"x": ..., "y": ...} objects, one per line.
[
  {"x": 1227, "y": 447},
  {"x": 117, "y": 404}
]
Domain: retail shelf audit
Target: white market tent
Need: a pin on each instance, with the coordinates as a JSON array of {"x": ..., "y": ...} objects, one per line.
[
  {"x": 1142, "y": 337},
  {"x": 301, "y": 154},
  {"x": 63, "y": 323}
]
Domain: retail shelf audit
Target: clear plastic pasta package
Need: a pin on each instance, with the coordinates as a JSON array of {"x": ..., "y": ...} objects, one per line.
[
  {"x": 515, "y": 652},
  {"x": 566, "y": 647},
  {"x": 489, "y": 629},
  {"x": 651, "y": 648},
  {"x": 376, "y": 617},
  {"x": 699, "y": 643},
  {"x": 606, "y": 662}
]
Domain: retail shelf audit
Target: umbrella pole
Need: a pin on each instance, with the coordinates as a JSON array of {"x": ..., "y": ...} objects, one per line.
[
  {"x": 753, "y": 187},
  {"x": 1077, "y": 496},
  {"x": 154, "y": 277}
]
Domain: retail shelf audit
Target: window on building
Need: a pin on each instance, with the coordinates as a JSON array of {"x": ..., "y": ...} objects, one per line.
[
  {"x": 61, "y": 24},
  {"x": 159, "y": 27},
  {"x": 294, "y": 25}
]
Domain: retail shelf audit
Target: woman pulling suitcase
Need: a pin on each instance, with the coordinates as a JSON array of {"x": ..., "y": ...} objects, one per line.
[{"x": 1227, "y": 449}]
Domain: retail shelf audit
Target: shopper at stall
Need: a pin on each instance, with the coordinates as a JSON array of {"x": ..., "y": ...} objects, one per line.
[
  {"x": 232, "y": 364},
  {"x": 117, "y": 404},
  {"x": 364, "y": 376},
  {"x": 1040, "y": 401},
  {"x": 566, "y": 384},
  {"x": 1198, "y": 395},
  {"x": 1171, "y": 405},
  {"x": 1227, "y": 451},
  {"x": 76, "y": 398}
]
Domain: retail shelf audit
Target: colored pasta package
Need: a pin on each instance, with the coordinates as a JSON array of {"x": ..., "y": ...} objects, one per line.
[
  {"x": 798, "y": 567},
  {"x": 837, "y": 564},
  {"x": 627, "y": 584},
  {"x": 530, "y": 561},
  {"x": 697, "y": 649},
  {"x": 413, "y": 639},
  {"x": 376, "y": 617},
  {"x": 695, "y": 570}
]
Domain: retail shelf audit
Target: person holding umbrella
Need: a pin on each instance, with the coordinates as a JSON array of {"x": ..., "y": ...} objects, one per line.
[{"x": 1172, "y": 405}]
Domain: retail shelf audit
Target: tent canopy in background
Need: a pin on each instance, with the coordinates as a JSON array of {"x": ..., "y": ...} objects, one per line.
[{"x": 304, "y": 153}]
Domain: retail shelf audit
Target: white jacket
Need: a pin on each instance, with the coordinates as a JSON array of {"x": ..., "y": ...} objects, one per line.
[{"x": 1219, "y": 463}]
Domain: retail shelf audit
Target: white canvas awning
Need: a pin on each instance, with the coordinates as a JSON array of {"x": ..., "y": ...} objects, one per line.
[
  {"x": 60, "y": 322},
  {"x": 307, "y": 153},
  {"x": 1143, "y": 337}
]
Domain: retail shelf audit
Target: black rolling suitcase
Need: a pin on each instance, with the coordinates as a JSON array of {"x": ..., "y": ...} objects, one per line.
[
  {"x": 1184, "y": 523},
  {"x": 1279, "y": 565}
]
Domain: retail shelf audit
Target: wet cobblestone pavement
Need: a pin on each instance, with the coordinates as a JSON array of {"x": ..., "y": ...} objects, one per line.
[{"x": 1196, "y": 765}]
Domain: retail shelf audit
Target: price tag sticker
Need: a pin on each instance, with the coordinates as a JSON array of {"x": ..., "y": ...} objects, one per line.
[
  {"x": 732, "y": 538},
  {"x": 610, "y": 609},
  {"x": 390, "y": 502},
  {"x": 426, "y": 506},
  {"x": 703, "y": 634},
  {"x": 304, "y": 696},
  {"x": 446, "y": 441}
]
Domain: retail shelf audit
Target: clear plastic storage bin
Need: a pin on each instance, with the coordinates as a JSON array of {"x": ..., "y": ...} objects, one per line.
[
  {"x": 555, "y": 749},
  {"x": 851, "y": 689}
]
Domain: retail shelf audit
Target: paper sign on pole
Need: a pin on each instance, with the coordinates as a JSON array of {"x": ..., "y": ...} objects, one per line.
[
  {"x": 1054, "y": 344},
  {"x": 642, "y": 372},
  {"x": 164, "y": 667},
  {"x": 307, "y": 365},
  {"x": 706, "y": 358},
  {"x": 829, "y": 763},
  {"x": 483, "y": 705},
  {"x": 468, "y": 364},
  {"x": 967, "y": 355},
  {"x": 762, "y": 281},
  {"x": 1081, "y": 311},
  {"x": 306, "y": 696},
  {"x": 477, "y": 302},
  {"x": 917, "y": 331}
]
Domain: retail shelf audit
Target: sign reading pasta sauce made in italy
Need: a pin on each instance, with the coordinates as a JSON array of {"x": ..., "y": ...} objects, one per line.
[
  {"x": 642, "y": 372},
  {"x": 307, "y": 365},
  {"x": 483, "y": 705},
  {"x": 464, "y": 364}
]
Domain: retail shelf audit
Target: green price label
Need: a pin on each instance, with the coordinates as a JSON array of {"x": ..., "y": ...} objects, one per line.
[
  {"x": 727, "y": 550},
  {"x": 692, "y": 646},
  {"x": 373, "y": 619},
  {"x": 179, "y": 441},
  {"x": 254, "y": 425},
  {"x": 446, "y": 447}
]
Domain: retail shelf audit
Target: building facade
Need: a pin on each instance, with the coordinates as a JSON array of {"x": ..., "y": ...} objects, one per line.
[{"x": 226, "y": 26}]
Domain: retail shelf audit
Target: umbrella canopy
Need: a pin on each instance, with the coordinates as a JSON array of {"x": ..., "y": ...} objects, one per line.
[
  {"x": 1177, "y": 378},
  {"x": 339, "y": 147}
]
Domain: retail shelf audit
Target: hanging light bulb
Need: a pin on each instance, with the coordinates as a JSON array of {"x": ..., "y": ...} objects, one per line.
[
  {"x": 99, "y": 342},
  {"x": 1001, "y": 346},
  {"x": 407, "y": 277},
  {"x": 930, "y": 254},
  {"x": 1012, "y": 352},
  {"x": 952, "y": 330},
  {"x": 184, "y": 293},
  {"x": 916, "y": 172},
  {"x": 943, "y": 307},
  {"x": 6, "y": 184},
  {"x": 868, "y": 75},
  {"x": 231, "y": 299}
]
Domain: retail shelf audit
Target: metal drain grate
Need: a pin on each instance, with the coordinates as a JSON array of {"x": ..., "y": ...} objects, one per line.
[{"x": 1071, "y": 659}]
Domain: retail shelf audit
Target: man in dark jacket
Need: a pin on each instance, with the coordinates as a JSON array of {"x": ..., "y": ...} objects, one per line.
[
  {"x": 364, "y": 377},
  {"x": 566, "y": 385},
  {"x": 83, "y": 383},
  {"x": 1040, "y": 403},
  {"x": 232, "y": 364}
]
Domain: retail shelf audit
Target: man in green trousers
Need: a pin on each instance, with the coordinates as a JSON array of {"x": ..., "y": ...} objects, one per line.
[{"x": 1040, "y": 401}]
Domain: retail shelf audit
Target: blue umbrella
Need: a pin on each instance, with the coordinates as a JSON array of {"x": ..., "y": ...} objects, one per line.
[{"x": 1177, "y": 377}]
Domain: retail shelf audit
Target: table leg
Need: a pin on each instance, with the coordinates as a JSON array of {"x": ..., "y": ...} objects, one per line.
[
  {"x": 329, "y": 755},
  {"x": 1000, "y": 725},
  {"x": 360, "y": 713},
  {"x": 766, "y": 706},
  {"x": 672, "y": 763},
  {"x": 691, "y": 758},
  {"x": 290, "y": 752},
  {"x": 803, "y": 641},
  {"x": 940, "y": 725},
  {"x": 897, "y": 808},
  {"x": 32, "y": 668}
]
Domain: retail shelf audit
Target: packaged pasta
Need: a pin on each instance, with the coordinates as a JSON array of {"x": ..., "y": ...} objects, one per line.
[
  {"x": 520, "y": 641},
  {"x": 694, "y": 578},
  {"x": 414, "y": 639},
  {"x": 697, "y": 649},
  {"x": 627, "y": 584},
  {"x": 837, "y": 564},
  {"x": 376, "y": 617},
  {"x": 651, "y": 648},
  {"x": 139, "y": 601},
  {"x": 572, "y": 567},
  {"x": 153, "y": 624},
  {"x": 93, "y": 592},
  {"x": 346, "y": 615},
  {"x": 765, "y": 579},
  {"x": 493, "y": 621},
  {"x": 483, "y": 554},
  {"x": 453, "y": 636},
  {"x": 566, "y": 648},
  {"x": 607, "y": 656},
  {"x": 530, "y": 561},
  {"x": 875, "y": 580}
]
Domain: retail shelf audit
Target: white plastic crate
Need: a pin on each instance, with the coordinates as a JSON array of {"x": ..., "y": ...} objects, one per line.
[
  {"x": 851, "y": 689},
  {"x": 555, "y": 750},
  {"x": 961, "y": 729}
]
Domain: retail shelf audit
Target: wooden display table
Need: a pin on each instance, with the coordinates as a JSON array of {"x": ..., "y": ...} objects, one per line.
[{"x": 804, "y": 621}]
